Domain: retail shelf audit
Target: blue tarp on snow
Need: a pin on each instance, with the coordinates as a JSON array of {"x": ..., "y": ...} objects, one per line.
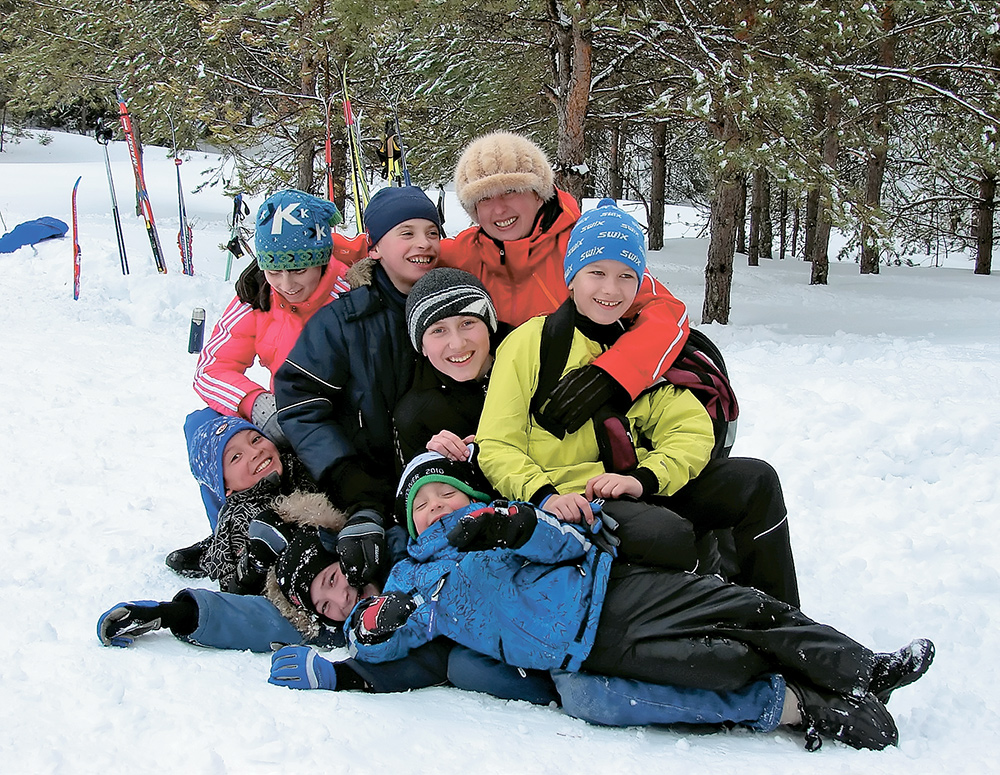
[{"x": 30, "y": 232}]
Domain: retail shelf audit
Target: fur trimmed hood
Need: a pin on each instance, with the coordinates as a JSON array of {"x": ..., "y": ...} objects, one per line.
[{"x": 305, "y": 509}]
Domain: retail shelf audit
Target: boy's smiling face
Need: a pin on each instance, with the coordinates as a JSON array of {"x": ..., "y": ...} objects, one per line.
[
  {"x": 604, "y": 290},
  {"x": 408, "y": 251},
  {"x": 435, "y": 500},
  {"x": 332, "y": 597},
  {"x": 249, "y": 456}
]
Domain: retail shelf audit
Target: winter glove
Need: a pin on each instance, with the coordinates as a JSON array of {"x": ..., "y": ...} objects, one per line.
[
  {"x": 124, "y": 622},
  {"x": 577, "y": 398},
  {"x": 301, "y": 667},
  {"x": 264, "y": 414},
  {"x": 377, "y": 618},
  {"x": 268, "y": 535},
  {"x": 361, "y": 546},
  {"x": 494, "y": 527}
]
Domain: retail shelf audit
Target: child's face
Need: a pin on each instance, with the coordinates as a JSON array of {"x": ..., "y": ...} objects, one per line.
[
  {"x": 509, "y": 216},
  {"x": 295, "y": 285},
  {"x": 408, "y": 251},
  {"x": 249, "y": 456},
  {"x": 459, "y": 347},
  {"x": 332, "y": 597},
  {"x": 604, "y": 290},
  {"x": 435, "y": 500}
]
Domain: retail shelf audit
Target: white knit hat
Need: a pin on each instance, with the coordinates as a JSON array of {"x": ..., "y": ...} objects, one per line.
[{"x": 499, "y": 162}]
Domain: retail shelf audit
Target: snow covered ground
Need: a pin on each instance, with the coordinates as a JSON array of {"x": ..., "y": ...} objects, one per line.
[{"x": 876, "y": 398}]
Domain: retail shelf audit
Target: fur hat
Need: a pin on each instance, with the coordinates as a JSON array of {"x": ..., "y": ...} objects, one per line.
[
  {"x": 443, "y": 293},
  {"x": 434, "y": 467},
  {"x": 606, "y": 232},
  {"x": 295, "y": 231},
  {"x": 390, "y": 206},
  {"x": 288, "y": 581},
  {"x": 205, "y": 450},
  {"x": 501, "y": 162}
]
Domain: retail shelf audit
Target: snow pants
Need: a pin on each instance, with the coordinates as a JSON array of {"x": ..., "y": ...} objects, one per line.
[
  {"x": 743, "y": 494},
  {"x": 682, "y": 629}
]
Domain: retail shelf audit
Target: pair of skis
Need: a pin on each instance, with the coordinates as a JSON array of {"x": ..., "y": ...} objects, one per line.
[{"x": 184, "y": 236}]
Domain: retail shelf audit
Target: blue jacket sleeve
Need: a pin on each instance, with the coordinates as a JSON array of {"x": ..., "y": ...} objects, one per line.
[
  {"x": 418, "y": 630},
  {"x": 553, "y": 541}
]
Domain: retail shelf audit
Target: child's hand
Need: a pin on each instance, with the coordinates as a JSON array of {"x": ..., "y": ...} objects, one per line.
[
  {"x": 613, "y": 486},
  {"x": 494, "y": 527},
  {"x": 301, "y": 667},
  {"x": 571, "y": 507},
  {"x": 450, "y": 445},
  {"x": 377, "y": 618}
]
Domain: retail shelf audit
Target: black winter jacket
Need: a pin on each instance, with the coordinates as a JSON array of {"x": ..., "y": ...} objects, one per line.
[{"x": 337, "y": 390}]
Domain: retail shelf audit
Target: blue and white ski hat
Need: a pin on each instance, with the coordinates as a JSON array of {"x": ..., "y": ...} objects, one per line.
[
  {"x": 606, "y": 232},
  {"x": 295, "y": 231},
  {"x": 206, "y": 447}
]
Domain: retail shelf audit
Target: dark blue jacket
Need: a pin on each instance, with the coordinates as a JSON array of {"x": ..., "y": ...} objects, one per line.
[
  {"x": 532, "y": 607},
  {"x": 337, "y": 390}
]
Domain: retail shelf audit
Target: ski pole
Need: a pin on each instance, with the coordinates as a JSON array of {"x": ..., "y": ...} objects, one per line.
[
  {"x": 184, "y": 236},
  {"x": 104, "y": 135}
]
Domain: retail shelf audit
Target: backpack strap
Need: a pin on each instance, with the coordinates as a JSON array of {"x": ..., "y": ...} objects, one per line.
[{"x": 553, "y": 351}]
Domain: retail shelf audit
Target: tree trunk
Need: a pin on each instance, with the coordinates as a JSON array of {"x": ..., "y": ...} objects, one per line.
[
  {"x": 571, "y": 52},
  {"x": 795, "y": 227},
  {"x": 766, "y": 225},
  {"x": 305, "y": 135},
  {"x": 879, "y": 151},
  {"x": 782, "y": 222},
  {"x": 983, "y": 220},
  {"x": 812, "y": 218},
  {"x": 722, "y": 232},
  {"x": 753, "y": 256},
  {"x": 824, "y": 222},
  {"x": 615, "y": 164},
  {"x": 658, "y": 185},
  {"x": 741, "y": 217}
]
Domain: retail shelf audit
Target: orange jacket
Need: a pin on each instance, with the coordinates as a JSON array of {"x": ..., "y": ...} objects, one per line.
[{"x": 525, "y": 278}]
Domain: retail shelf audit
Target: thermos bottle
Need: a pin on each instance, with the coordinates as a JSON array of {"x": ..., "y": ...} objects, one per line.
[{"x": 197, "y": 337}]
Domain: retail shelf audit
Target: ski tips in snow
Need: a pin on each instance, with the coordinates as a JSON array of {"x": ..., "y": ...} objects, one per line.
[{"x": 76, "y": 246}]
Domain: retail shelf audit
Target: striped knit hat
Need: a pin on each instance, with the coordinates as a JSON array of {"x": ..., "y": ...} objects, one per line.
[{"x": 443, "y": 293}]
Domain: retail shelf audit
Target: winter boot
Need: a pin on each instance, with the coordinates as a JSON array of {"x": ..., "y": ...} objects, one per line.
[
  {"x": 187, "y": 561},
  {"x": 900, "y": 668},
  {"x": 860, "y": 722}
]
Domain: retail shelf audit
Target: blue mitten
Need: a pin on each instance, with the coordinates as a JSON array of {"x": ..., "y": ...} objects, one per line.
[
  {"x": 301, "y": 667},
  {"x": 121, "y": 624}
]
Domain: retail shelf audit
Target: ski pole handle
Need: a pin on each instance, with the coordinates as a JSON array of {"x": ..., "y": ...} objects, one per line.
[{"x": 197, "y": 336}]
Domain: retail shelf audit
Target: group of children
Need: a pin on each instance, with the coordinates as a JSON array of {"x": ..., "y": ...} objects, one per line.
[{"x": 581, "y": 586}]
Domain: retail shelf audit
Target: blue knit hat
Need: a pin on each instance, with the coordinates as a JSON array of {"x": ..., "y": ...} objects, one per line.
[
  {"x": 206, "y": 447},
  {"x": 295, "y": 231},
  {"x": 606, "y": 232},
  {"x": 391, "y": 206}
]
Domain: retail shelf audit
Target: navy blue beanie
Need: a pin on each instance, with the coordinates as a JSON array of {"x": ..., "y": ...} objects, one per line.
[
  {"x": 606, "y": 232},
  {"x": 294, "y": 231},
  {"x": 391, "y": 206},
  {"x": 206, "y": 447}
]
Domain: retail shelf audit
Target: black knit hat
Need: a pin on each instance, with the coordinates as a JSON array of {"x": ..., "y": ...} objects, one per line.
[
  {"x": 300, "y": 563},
  {"x": 428, "y": 467},
  {"x": 443, "y": 293}
]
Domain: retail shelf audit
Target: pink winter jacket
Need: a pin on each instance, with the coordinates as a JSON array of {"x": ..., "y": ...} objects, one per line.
[{"x": 244, "y": 333}]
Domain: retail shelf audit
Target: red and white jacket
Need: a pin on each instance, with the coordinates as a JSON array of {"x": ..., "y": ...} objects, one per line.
[{"x": 244, "y": 334}]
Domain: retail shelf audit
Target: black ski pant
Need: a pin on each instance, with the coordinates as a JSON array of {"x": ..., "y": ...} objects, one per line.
[
  {"x": 653, "y": 535},
  {"x": 671, "y": 627},
  {"x": 744, "y": 495}
]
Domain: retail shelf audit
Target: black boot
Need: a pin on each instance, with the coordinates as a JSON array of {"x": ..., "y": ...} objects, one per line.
[
  {"x": 187, "y": 561},
  {"x": 860, "y": 722},
  {"x": 900, "y": 668}
]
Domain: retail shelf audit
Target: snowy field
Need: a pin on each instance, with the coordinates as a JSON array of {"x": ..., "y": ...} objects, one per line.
[{"x": 876, "y": 398}]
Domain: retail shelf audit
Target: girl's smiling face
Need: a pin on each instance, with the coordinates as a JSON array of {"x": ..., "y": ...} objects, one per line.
[
  {"x": 249, "y": 456},
  {"x": 294, "y": 285},
  {"x": 408, "y": 251}
]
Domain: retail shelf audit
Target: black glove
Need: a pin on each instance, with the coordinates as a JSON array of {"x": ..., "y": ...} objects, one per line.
[
  {"x": 577, "y": 398},
  {"x": 494, "y": 527},
  {"x": 268, "y": 536},
  {"x": 361, "y": 546},
  {"x": 377, "y": 618}
]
